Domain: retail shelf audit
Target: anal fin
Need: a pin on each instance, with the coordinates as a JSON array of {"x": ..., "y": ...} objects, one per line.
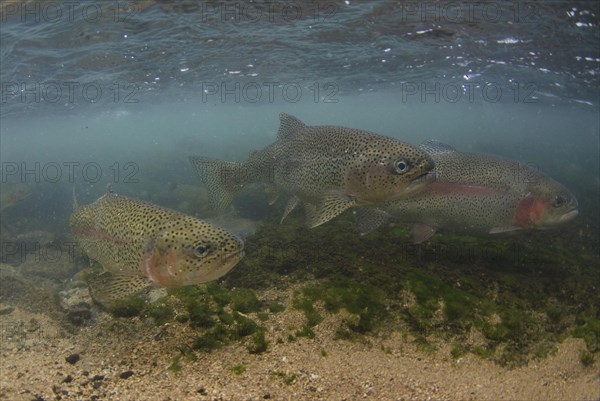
[
  {"x": 422, "y": 232},
  {"x": 370, "y": 219}
]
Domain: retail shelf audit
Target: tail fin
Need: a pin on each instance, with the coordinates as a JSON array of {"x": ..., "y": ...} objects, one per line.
[{"x": 222, "y": 179}]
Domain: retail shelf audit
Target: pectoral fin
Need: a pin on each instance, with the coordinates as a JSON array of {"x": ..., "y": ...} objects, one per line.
[
  {"x": 107, "y": 287},
  {"x": 291, "y": 205},
  {"x": 334, "y": 203},
  {"x": 422, "y": 232}
]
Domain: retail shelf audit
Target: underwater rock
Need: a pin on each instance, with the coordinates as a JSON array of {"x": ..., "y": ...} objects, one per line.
[
  {"x": 49, "y": 262},
  {"x": 73, "y": 358},
  {"x": 156, "y": 293},
  {"x": 77, "y": 303},
  {"x": 34, "y": 296},
  {"x": 75, "y": 297},
  {"x": 79, "y": 314},
  {"x": 126, "y": 375}
]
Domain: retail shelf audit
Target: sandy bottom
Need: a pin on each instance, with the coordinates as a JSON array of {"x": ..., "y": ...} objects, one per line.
[{"x": 34, "y": 348}]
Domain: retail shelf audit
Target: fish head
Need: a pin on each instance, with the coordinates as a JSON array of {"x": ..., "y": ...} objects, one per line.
[
  {"x": 391, "y": 172},
  {"x": 190, "y": 251},
  {"x": 546, "y": 209}
]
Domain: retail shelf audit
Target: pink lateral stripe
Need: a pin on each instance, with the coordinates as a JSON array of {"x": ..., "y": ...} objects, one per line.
[{"x": 99, "y": 234}]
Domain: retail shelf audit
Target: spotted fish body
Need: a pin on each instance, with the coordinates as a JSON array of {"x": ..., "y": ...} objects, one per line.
[
  {"x": 140, "y": 244},
  {"x": 328, "y": 168},
  {"x": 478, "y": 193}
]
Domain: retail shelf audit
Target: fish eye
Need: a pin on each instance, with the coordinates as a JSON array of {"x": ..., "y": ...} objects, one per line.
[
  {"x": 558, "y": 201},
  {"x": 201, "y": 250},
  {"x": 401, "y": 166}
]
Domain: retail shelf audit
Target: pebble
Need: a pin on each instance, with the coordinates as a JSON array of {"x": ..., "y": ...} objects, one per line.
[
  {"x": 79, "y": 314},
  {"x": 68, "y": 379},
  {"x": 128, "y": 373},
  {"x": 73, "y": 358},
  {"x": 98, "y": 377}
]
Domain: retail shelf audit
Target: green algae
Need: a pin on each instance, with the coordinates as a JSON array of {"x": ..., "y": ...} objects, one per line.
[
  {"x": 161, "y": 311},
  {"x": 588, "y": 328},
  {"x": 287, "y": 378},
  {"x": 313, "y": 317},
  {"x": 238, "y": 369},
  {"x": 127, "y": 307},
  {"x": 184, "y": 353},
  {"x": 521, "y": 295},
  {"x": 258, "y": 343},
  {"x": 276, "y": 307},
  {"x": 220, "y": 316},
  {"x": 244, "y": 300},
  {"x": 305, "y": 331},
  {"x": 176, "y": 365},
  {"x": 586, "y": 358}
]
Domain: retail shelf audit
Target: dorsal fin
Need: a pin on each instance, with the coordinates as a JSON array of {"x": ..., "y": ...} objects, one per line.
[
  {"x": 434, "y": 147},
  {"x": 289, "y": 126}
]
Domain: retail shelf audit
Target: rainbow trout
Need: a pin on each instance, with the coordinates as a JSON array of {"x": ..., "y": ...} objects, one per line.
[
  {"x": 477, "y": 193},
  {"x": 328, "y": 168},
  {"x": 140, "y": 244}
]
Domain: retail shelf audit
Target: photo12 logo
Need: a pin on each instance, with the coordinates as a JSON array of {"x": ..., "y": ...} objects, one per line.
[
  {"x": 69, "y": 171},
  {"x": 69, "y": 92},
  {"x": 52, "y": 253},
  {"x": 125, "y": 11},
  {"x": 68, "y": 11},
  {"x": 268, "y": 92},
  {"x": 471, "y": 12},
  {"x": 269, "y": 11},
  {"x": 469, "y": 91}
]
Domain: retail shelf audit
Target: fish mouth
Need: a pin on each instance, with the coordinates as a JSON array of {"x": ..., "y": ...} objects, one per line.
[
  {"x": 568, "y": 216},
  {"x": 234, "y": 256},
  {"x": 419, "y": 183}
]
